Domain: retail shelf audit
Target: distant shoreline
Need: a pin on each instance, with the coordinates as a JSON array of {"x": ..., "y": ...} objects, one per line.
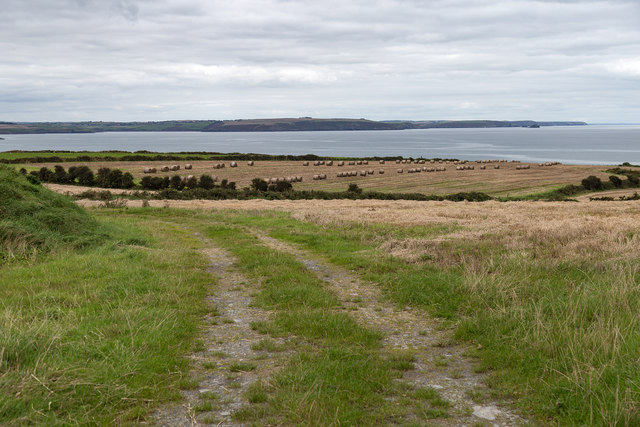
[{"x": 303, "y": 124}]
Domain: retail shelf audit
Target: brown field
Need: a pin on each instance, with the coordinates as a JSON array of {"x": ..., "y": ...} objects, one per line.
[
  {"x": 572, "y": 229},
  {"x": 506, "y": 181}
]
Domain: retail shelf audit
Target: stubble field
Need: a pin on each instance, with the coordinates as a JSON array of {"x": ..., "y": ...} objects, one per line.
[{"x": 506, "y": 181}]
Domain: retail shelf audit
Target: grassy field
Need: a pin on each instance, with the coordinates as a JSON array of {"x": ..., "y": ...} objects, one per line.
[
  {"x": 103, "y": 321},
  {"x": 506, "y": 181}
]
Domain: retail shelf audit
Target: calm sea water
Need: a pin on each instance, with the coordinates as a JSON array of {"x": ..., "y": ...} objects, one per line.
[{"x": 579, "y": 145}]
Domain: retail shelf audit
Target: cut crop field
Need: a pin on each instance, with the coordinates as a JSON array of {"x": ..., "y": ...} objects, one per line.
[{"x": 506, "y": 181}]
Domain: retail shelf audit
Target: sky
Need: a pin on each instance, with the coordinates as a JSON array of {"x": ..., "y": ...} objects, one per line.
[{"x": 140, "y": 60}]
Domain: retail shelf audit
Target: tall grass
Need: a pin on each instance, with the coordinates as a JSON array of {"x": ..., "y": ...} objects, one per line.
[
  {"x": 98, "y": 335},
  {"x": 35, "y": 220}
]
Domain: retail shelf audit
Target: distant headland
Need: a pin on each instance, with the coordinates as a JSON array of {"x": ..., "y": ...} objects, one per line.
[{"x": 263, "y": 125}]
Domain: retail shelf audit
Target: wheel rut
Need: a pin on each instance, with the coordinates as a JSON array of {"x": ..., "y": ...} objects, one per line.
[
  {"x": 439, "y": 363},
  {"x": 226, "y": 361}
]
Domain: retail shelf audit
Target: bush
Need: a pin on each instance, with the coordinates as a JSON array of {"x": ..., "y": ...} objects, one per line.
[
  {"x": 206, "y": 182},
  {"x": 152, "y": 183},
  {"x": 617, "y": 182},
  {"x": 592, "y": 183},
  {"x": 353, "y": 188},
  {"x": 44, "y": 174},
  {"x": 282, "y": 186},
  {"x": 191, "y": 182},
  {"x": 259, "y": 184},
  {"x": 176, "y": 182},
  {"x": 85, "y": 176},
  {"x": 33, "y": 179}
]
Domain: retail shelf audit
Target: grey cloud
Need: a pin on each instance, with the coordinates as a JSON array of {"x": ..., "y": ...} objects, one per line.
[{"x": 152, "y": 59}]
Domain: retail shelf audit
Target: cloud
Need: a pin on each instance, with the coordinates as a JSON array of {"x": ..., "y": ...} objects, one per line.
[{"x": 153, "y": 59}]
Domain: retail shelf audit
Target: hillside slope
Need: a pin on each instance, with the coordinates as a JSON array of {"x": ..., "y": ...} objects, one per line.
[{"x": 34, "y": 219}]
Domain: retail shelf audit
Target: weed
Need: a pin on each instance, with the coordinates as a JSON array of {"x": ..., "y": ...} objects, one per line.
[
  {"x": 267, "y": 345},
  {"x": 242, "y": 367}
]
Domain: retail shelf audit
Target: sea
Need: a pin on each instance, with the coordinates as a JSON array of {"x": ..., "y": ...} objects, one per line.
[{"x": 593, "y": 144}]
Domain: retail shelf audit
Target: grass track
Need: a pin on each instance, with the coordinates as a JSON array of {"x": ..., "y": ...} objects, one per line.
[{"x": 559, "y": 335}]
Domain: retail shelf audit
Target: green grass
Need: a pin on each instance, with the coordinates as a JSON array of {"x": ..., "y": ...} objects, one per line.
[
  {"x": 337, "y": 376},
  {"x": 95, "y": 329},
  {"x": 34, "y": 220},
  {"x": 558, "y": 336},
  {"x": 98, "y": 335}
]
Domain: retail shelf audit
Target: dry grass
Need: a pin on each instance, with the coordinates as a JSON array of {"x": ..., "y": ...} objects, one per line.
[
  {"x": 560, "y": 230},
  {"x": 506, "y": 181}
]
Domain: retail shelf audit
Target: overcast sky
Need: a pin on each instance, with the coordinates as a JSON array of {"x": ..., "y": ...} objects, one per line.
[{"x": 70, "y": 60}]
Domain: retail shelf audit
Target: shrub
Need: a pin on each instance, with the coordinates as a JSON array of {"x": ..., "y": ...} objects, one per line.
[
  {"x": 191, "y": 182},
  {"x": 259, "y": 184},
  {"x": 33, "y": 179},
  {"x": 617, "y": 182},
  {"x": 206, "y": 182},
  {"x": 85, "y": 176},
  {"x": 280, "y": 187},
  {"x": 44, "y": 174},
  {"x": 176, "y": 182},
  {"x": 152, "y": 182},
  {"x": 353, "y": 188},
  {"x": 592, "y": 183}
]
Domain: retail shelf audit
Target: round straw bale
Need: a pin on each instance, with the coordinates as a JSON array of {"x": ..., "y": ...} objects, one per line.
[
  {"x": 250, "y": 163},
  {"x": 188, "y": 166}
]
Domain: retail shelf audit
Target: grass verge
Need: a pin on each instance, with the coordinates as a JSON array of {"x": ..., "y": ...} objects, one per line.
[{"x": 98, "y": 335}]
